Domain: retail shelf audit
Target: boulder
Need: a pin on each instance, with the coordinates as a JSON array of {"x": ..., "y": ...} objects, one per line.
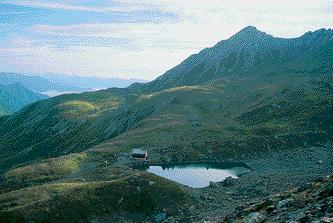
[
  {"x": 327, "y": 220},
  {"x": 160, "y": 217},
  {"x": 270, "y": 208},
  {"x": 284, "y": 203},
  {"x": 151, "y": 183},
  {"x": 213, "y": 184},
  {"x": 256, "y": 217},
  {"x": 229, "y": 181}
]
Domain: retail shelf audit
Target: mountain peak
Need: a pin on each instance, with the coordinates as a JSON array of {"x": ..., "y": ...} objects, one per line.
[
  {"x": 250, "y": 29},
  {"x": 250, "y": 32},
  {"x": 249, "y": 52}
]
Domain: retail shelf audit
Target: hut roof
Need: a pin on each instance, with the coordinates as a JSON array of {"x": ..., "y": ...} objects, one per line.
[{"x": 139, "y": 151}]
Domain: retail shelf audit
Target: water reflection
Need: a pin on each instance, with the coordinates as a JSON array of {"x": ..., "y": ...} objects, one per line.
[{"x": 197, "y": 175}]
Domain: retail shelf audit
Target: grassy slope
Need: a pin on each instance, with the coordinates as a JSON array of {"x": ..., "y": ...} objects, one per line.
[
  {"x": 71, "y": 202},
  {"x": 217, "y": 119},
  {"x": 107, "y": 192},
  {"x": 231, "y": 119},
  {"x": 62, "y": 125},
  {"x": 47, "y": 170}
]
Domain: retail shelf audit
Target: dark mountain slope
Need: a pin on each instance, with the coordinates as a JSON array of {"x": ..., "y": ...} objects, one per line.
[{"x": 15, "y": 96}]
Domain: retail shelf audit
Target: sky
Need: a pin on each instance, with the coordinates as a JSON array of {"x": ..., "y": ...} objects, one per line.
[{"x": 137, "y": 38}]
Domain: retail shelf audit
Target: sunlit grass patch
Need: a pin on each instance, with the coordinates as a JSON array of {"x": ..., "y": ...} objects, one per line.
[{"x": 50, "y": 169}]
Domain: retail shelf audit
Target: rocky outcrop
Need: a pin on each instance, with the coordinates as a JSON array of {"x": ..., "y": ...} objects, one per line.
[{"x": 311, "y": 203}]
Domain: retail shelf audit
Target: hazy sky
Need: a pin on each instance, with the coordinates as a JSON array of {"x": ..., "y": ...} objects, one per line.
[{"x": 138, "y": 38}]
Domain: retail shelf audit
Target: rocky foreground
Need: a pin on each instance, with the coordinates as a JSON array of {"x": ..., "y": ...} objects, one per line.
[{"x": 311, "y": 203}]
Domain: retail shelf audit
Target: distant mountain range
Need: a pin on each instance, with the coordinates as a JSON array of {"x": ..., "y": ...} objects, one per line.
[
  {"x": 250, "y": 96},
  {"x": 55, "y": 84},
  {"x": 92, "y": 83},
  {"x": 19, "y": 90},
  {"x": 13, "y": 97},
  {"x": 37, "y": 83}
]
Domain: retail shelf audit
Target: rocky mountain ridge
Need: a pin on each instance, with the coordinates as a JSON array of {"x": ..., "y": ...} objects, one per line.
[{"x": 249, "y": 52}]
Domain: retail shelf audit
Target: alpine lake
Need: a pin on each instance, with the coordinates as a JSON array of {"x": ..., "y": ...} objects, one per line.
[{"x": 199, "y": 175}]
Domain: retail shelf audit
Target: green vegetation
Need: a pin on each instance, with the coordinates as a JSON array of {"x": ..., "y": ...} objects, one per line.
[
  {"x": 47, "y": 170},
  {"x": 134, "y": 195}
]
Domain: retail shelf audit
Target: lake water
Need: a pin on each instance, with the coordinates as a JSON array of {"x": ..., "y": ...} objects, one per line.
[{"x": 198, "y": 175}]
